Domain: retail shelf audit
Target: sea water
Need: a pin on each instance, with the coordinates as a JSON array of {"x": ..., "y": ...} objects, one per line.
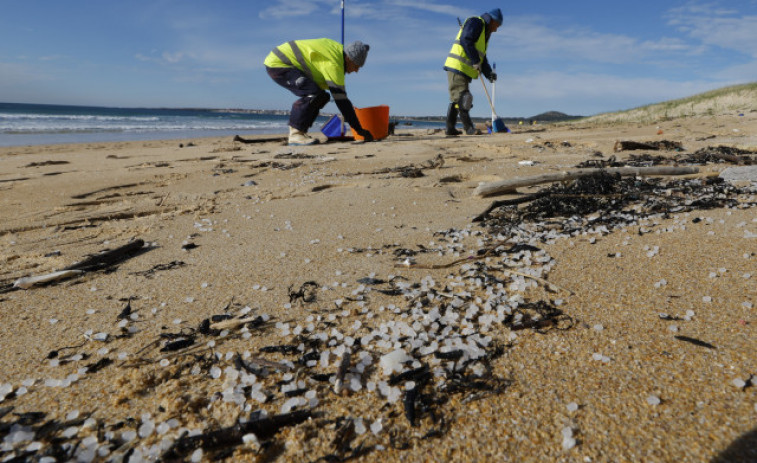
[{"x": 34, "y": 124}]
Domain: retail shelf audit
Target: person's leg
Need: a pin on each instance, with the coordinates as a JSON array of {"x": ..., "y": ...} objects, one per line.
[
  {"x": 467, "y": 122},
  {"x": 464, "y": 104},
  {"x": 454, "y": 82},
  {"x": 312, "y": 99},
  {"x": 452, "y": 120},
  {"x": 313, "y": 106},
  {"x": 462, "y": 99}
]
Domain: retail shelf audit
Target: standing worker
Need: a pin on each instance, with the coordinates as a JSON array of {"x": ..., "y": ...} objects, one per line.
[
  {"x": 466, "y": 59},
  {"x": 308, "y": 68}
]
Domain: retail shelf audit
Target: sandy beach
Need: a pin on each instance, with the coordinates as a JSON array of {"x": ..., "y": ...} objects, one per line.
[{"x": 339, "y": 303}]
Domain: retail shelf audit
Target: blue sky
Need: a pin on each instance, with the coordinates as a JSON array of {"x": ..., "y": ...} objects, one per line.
[{"x": 577, "y": 57}]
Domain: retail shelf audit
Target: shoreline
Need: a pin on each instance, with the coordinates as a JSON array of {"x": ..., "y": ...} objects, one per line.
[{"x": 371, "y": 249}]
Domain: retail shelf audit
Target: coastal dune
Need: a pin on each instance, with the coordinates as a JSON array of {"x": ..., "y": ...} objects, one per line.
[{"x": 340, "y": 302}]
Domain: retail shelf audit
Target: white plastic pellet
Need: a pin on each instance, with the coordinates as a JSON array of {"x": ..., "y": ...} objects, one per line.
[{"x": 376, "y": 427}]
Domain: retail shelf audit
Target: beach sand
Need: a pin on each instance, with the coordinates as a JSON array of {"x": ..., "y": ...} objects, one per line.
[{"x": 320, "y": 246}]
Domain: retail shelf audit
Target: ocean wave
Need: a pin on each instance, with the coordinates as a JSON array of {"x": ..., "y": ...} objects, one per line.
[
  {"x": 73, "y": 117},
  {"x": 58, "y": 126}
]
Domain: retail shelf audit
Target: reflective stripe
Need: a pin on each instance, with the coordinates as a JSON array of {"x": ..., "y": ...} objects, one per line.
[
  {"x": 301, "y": 58},
  {"x": 460, "y": 58},
  {"x": 480, "y": 55},
  {"x": 334, "y": 85},
  {"x": 282, "y": 57},
  {"x": 337, "y": 91}
]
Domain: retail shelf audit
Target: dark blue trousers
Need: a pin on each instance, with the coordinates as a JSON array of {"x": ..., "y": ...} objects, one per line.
[{"x": 312, "y": 99}]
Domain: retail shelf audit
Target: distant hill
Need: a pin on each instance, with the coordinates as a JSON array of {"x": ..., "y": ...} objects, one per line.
[
  {"x": 726, "y": 100},
  {"x": 553, "y": 116}
]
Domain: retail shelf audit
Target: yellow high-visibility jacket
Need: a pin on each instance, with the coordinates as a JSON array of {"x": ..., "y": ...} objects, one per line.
[
  {"x": 459, "y": 60},
  {"x": 322, "y": 60}
]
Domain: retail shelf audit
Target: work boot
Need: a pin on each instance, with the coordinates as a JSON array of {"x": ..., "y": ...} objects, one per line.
[
  {"x": 300, "y": 138},
  {"x": 452, "y": 120},
  {"x": 467, "y": 123}
]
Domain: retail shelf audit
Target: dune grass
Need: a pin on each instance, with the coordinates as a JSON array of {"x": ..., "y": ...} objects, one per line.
[{"x": 726, "y": 100}]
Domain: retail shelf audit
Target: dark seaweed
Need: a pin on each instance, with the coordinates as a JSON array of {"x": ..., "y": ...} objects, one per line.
[{"x": 307, "y": 292}]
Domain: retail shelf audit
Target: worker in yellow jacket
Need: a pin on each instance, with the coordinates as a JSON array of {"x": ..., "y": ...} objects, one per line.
[
  {"x": 465, "y": 60},
  {"x": 308, "y": 68}
]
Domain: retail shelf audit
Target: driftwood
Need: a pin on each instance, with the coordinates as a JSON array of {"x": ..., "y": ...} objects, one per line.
[
  {"x": 509, "y": 202},
  {"x": 28, "y": 282},
  {"x": 259, "y": 140},
  {"x": 510, "y": 185},
  {"x": 91, "y": 263}
]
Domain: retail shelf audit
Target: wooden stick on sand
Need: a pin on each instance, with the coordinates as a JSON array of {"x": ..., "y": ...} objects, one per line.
[{"x": 510, "y": 185}]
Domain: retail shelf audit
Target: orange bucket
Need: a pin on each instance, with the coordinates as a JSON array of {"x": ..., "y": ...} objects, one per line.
[{"x": 375, "y": 119}]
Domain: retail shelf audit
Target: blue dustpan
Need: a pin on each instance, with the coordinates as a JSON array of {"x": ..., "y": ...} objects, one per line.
[{"x": 498, "y": 125}]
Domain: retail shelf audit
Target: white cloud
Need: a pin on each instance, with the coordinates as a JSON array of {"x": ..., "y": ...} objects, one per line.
[
  {"x": 717, "y": 27},
  {"x": 282, "y": 9},
  {"x": 386, "y": 10},
  {"x": 530, "y": 39},
  {"x": 449, "y": 10}
]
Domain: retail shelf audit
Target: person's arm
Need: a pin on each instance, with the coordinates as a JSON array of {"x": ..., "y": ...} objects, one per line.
[
  {"x": 486, "y": 70},
  {"x": 348, "y": 111},
  {"x": 471, "y": 32}
]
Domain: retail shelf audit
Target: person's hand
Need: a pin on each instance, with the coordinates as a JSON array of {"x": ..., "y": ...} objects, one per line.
[
  {"x": 493, "y": 77},
  {"x": 366, "y": 134},
  {"x": 477, "y": 66}
]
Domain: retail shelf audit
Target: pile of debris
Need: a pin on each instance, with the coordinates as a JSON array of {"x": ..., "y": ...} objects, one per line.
[{"x": 612, "y": 202}]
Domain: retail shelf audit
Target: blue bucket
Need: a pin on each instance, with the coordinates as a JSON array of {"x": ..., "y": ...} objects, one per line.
[{"x": 333, "y": 127}]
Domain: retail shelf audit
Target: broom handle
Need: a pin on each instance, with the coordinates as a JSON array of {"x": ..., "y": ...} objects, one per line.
[
  {"x": 494, "y": 91},
  {"x": 487, "y": 93}
]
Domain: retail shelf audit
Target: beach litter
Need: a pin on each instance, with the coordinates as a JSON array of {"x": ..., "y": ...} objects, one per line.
[{"x": 425, "y": 352}]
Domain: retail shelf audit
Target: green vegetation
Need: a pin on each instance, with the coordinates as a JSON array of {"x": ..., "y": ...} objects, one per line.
[{"x": 726, "y": 100}]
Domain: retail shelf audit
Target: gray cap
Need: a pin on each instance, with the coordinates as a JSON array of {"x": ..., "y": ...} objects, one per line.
[{"x": 357, "y": 51}]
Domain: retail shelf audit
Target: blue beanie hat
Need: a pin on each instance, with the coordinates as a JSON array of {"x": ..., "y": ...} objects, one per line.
[{"x": 496, "y": 15}]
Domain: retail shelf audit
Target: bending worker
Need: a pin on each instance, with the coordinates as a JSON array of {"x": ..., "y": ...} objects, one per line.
[
  {"x": 466, "y": 59},
  {"x": 309, "y": 67}
]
